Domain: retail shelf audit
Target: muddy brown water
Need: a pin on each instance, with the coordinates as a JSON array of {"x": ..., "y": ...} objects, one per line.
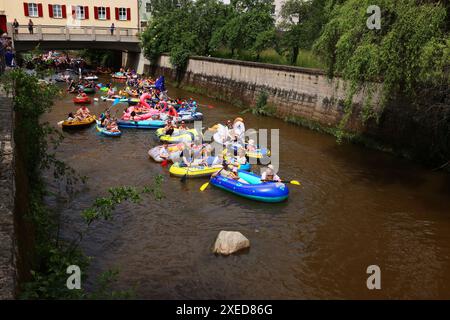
[{"x": 356, "y": 207}]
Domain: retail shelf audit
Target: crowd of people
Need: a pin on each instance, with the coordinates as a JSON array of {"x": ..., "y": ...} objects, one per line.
[{"x": 7, "y": 55}]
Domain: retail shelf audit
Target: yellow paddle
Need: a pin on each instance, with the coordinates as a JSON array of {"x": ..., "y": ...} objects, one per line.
[{"x": 204, "y": 186}]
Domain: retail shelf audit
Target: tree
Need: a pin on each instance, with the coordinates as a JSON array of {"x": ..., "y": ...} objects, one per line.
[
  {"x": 301, "y": 23},
  {"x": 244, "y": 25},
  {"x": 410, "y": 50}
]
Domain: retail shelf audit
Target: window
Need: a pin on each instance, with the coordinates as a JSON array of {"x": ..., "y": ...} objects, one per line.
[
  {"x": 57, "y": 11},
  {"x": 33, "y": 10},
  {"x": 148, "y": 7},
  {"x": 79, "y": 12},
  {"x": 123, "y": 14},
  {"x": 101, "y": 13}
]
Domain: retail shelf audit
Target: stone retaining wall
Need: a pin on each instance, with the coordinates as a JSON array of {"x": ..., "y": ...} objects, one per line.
[
  {"x": 293, "y": 91},
  {"x": 7, "y": 193}
]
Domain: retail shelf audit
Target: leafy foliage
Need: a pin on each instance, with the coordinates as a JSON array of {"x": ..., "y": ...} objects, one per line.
[
  {"x": 104, "y": 207},
  {"x": 399, "y": 54}
]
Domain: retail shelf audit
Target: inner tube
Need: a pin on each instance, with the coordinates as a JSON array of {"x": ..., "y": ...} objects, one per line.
[
  {"x": 254, "y": 189},
  {"x": 105, "y": 132},
  {"x": 89, "y": 90},
  {"x": 82, "y": 100}
]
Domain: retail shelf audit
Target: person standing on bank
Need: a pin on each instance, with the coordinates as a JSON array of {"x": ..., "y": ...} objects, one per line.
[
  {"x": 16, "y": 26},
  {"x": 113, "y": 27},
  {"x": 30, "y": 26}
]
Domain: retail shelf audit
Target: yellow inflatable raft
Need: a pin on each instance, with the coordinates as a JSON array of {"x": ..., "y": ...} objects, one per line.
[
  {"x": 79, "y": 124},
  {"x": 193, "y": 171},
  {"x": 176, "y": 137}
]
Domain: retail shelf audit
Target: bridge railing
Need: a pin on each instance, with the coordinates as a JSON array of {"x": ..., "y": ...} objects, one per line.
[{"x": 72, "y": 33}]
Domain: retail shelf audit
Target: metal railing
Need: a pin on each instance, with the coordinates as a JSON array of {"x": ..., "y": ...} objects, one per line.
[{"x": 73, "y": 33}]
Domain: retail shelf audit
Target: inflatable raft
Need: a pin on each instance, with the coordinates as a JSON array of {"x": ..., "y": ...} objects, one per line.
[
  {"x": 89, "y": 90},
  {"x": 145, "y": 124},
  {"x": 174, "y": 152},
  {"x": 251, "y": 187},
  {"x": 190, "y": 117},
  {"x": 199, "y": 171},
  {"x": 78, "y": 124},
  {"x": 258, "y": 153},
  {"x": 105, "y": 132},
  {"x": 119, "y": 76},
  {"x": 81, "y": 100},
  {"x": 193, "y": 171},
  {"x": 177, "y": 136}
]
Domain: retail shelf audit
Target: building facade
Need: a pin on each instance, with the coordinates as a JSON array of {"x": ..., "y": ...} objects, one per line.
[
  {"x": 83, "y": 13},
  {"x": 145, "y": 8}
]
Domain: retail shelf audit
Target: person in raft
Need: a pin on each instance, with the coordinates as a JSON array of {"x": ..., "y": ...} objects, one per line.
[
  {"x": 70, "y": 117},
  {"x": 251, "y": 147},
  {"x": 240, "y": 158},
  {"x": 83, "y": 112},
  {"x": 169, "y": 128},
  {"x": 186, "y": 157},
  {"x": 183, "y": 127},
  {"x": 228, "y": 171},
  {"x": 164, "y": 152},
  {"x": 239, "y": 128},
  {"x": 172, "y": 112},
  {"x": 112, "y": 126},
  {"x": 269, "y": 175}
]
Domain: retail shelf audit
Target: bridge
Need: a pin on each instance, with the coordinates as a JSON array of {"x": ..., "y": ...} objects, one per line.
[{"x": 72, "y": 38}]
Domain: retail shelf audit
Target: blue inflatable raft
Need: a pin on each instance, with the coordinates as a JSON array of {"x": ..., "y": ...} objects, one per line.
[
  {"x": 106, "y": 132},
  {"x": 252, "y": 188},
  {"x": 144, "y": 124}
]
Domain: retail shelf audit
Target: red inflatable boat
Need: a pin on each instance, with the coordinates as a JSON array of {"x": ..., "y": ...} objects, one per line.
[{"x": 82, "y": 100}]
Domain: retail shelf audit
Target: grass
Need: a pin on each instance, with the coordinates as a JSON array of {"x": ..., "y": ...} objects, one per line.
[{"x": 305, "y": 58}]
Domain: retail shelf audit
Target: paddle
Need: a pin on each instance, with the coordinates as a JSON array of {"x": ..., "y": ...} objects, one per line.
[
  {"x": 183, "y": 178},
  {"x": 294, "y": 182},
  {"x": 205, "y": 185}
]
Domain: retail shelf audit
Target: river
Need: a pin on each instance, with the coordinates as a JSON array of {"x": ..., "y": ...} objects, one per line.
[{"x": 356, "y": 207}]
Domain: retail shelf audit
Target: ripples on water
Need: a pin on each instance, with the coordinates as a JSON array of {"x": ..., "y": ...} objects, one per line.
[{"x": 356, "y": 207}]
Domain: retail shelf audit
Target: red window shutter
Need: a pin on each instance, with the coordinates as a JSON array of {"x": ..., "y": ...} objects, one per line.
[
  {"x": 108, "y": 13},
  {"x": 64, "y": 12},
  {"x": 25, "y": 9},
  {"x": 128, "y": 14},
  {"x": 40, "y": 11},
  {"x": 117, "y": 13},
  {"x": 50, "y": 10},
  {"x": 96, "y": 13},
  {"x": 73, "y": 11},
  {"x": 86, "y": 12}
]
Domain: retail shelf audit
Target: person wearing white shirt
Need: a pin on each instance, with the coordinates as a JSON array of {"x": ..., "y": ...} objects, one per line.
[{"x": 269, "y": 175}]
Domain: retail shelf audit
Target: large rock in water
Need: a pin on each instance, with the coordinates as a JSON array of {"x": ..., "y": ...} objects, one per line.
[{"x": 228, "y": 242}]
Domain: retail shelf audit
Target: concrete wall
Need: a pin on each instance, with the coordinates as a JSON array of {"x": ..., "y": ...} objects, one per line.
[
  {"x": 294, "y": 91},
  {"x": 8, "y": 246}
]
